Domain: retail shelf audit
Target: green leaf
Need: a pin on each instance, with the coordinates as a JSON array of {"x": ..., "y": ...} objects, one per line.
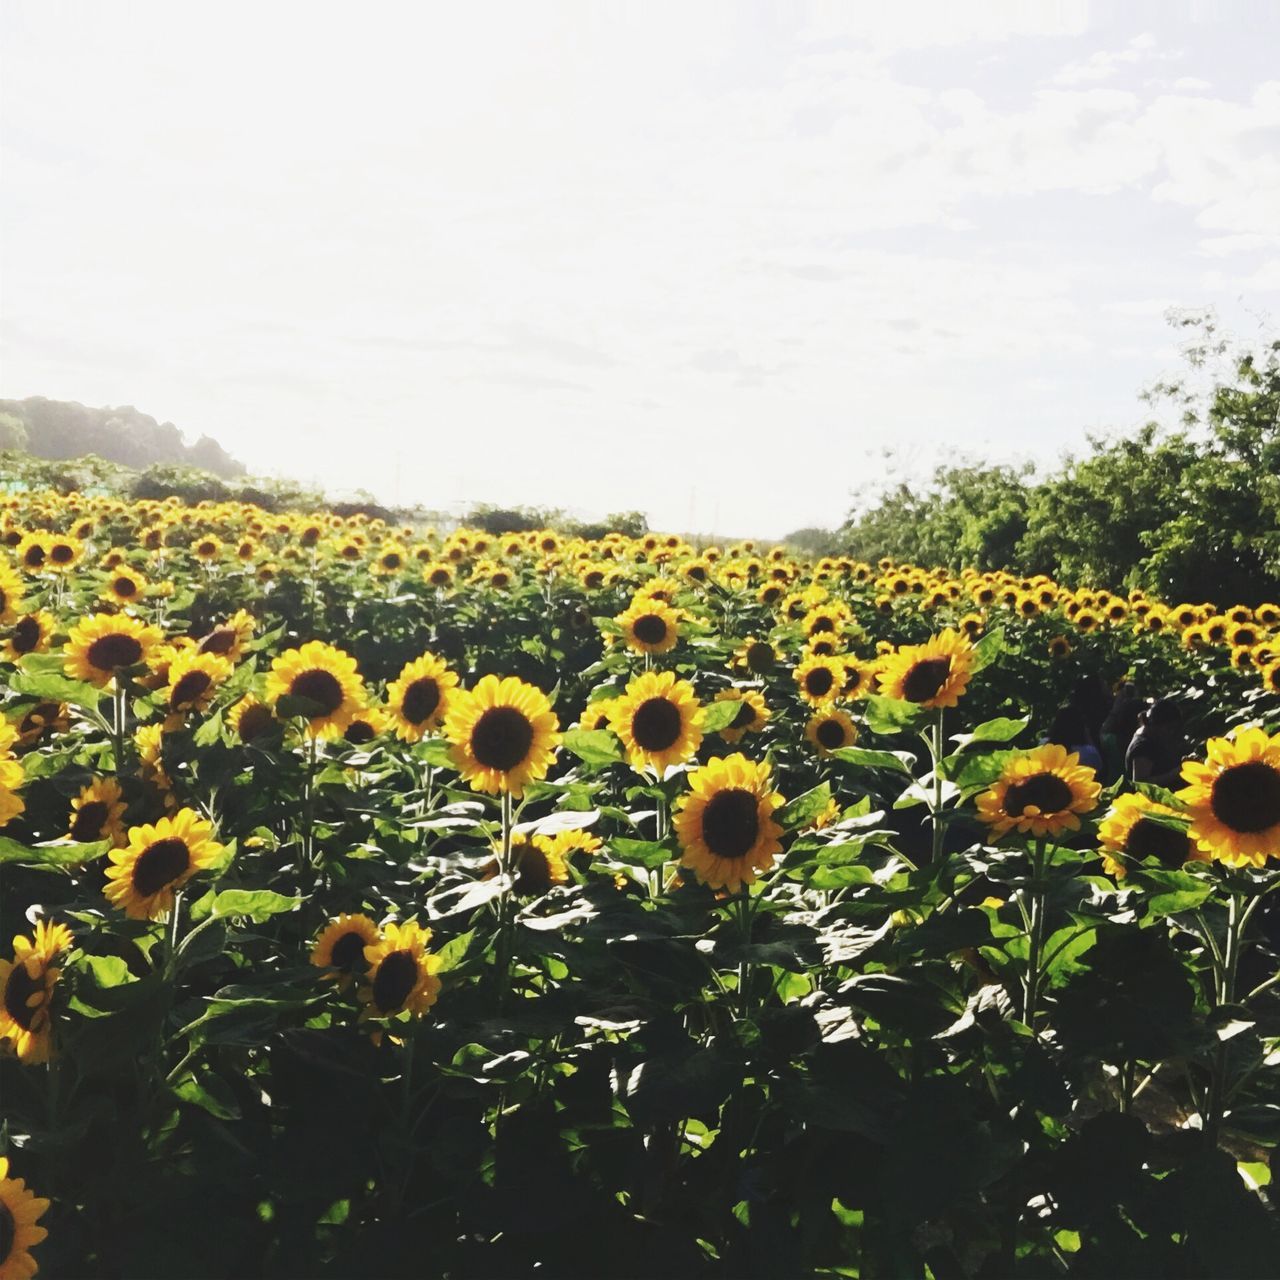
[
  {"x": 805, "y": 808},
  {"x": 720, "y": 715},
  {"x": 56, "y": 688},
  {"x": 257, "y": 905},
  {"x": 107, "y": 971},
  {"x": 649, "y": 853},
  {"x": 898, "y": 761},
  {"x": 1001, "y": 729},
  {"x": 51, "y": 855},
  {"x": 453, "y": 952},
  {"x": 981, "y": 769},
  {"x": 594, "y": 747},
  {"x": 1169, "y": 892},
  {"x": 988, "y": 649},
  {"x": 887, "y": 716}
]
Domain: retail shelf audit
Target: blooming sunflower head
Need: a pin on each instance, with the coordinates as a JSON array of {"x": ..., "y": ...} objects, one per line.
[
  {"x": 830, "y": 729},
  {"x": 157, "y": 861},
  {"x": 193, "y": 680},
  {"x": 97, "y": 813},
  {"x": 124, "y": 586},
  {"x": 105, "y": 646},
  {"x": 418, "y": 697},
  {"x": 650, "y": 625},
  {"x": 1234, "y": 798},
  {"x": 503, "y": 732},
  {"x": 659, "y": 720},
  {"x": 367, "y": 724},
  {"x": 725, "y": 822},
  {"x": 821, "y": 680},
  {"x": 26, "y": 992},
  {"x": 340, "y": 946},
  {"x": 933, "y": 674},
  {"x": 1130, "y": 833},
  {"x": 228, "y": 639},
  {"x": 753, "y": 713},
  {"x": 401, "y": 973},
  {"x": 20, "y": 1211},
  {"x": 320, "y": 683},
  {"x": 1039, "y": 793},
  {"x": 758, "y": 657}
]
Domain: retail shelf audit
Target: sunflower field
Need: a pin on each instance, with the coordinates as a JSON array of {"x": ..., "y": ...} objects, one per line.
[{"x": 387, "y": 902}]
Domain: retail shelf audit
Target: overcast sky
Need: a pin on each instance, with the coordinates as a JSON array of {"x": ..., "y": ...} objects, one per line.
[{"x": 700, "y": 259}]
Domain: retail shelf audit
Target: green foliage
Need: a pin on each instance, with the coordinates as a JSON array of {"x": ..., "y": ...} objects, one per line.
[{"x": 1191, "y": 513}]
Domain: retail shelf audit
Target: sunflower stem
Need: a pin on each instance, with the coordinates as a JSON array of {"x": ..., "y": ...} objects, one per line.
[
  {"x": 308, "y": 805},
  {"x": 1215, "y": 1104},
  {"x": 502, "y": 967},
  {"x": 936, "y": 853},
  {"x": 1035, "y": 940},
  {"x": 745, "y": 914},
  {"x": 119, "y": 711}
]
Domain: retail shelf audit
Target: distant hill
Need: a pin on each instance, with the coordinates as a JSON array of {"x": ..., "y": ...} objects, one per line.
[{"x": 64, "y": 429}]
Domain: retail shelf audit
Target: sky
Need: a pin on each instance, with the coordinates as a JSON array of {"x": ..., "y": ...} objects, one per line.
[{"x": 734, "y": 265}]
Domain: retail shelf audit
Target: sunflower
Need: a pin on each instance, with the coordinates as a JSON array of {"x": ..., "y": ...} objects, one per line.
[
  {"x": 438, "y": 573},
  {"x": 401, "y": 974},
  {"x": 391, "y": 558},
  {"x": 149, "y": 740},
  {"x": 42, "y": 718},
  {"x": 19, "y": 1211},
  {"x": 572, "y": 843},
  {"x": 933, "y": 674},
  {"x": 725, "y": 825},
  {"x": 368, "y": 723},
  {"x": 97, "y": 813},
  {"x": 821, "y": 680},
  {"x": 341, "y": 944},
  {"x": 650, "y": 626},
  {"x": 758, "y": 657},
  {"x": 753, "y": 713},
  {"x": 659, "y": 720},
  {"x": 1271, "y": 676},
  {"x": 537, "y": 864},
  {"x": 100, "y": 648},
  {"x": 26, "y": 992},
  {"x": 326, "y": 677},
  {"x": 1128, "y": 832},
  {"x": 830, "y": 729},
  {"x": 157, "y": 861},
  {"x": 63, "y": 552},
  {"x": 859, "y": 678},
  {"x": 1040, "y": 793},
  {"x": 1234, "y": 798},
  {"x": 1059, "y": 648},
  {"x": 193, "y": 680},
  {"x": 124, "y": 586},
  {"x": 31, "y": 633},
  {"x": 504, "y": 734},
  {"x": 228, "y": 639},
  {"x": 596, "y": 714},
  {"x": 10, "y": 594},
  {"x": 250, "y": 719},
  {"x": 33, "y": 552},
  {"x": 419, "y": 696}
]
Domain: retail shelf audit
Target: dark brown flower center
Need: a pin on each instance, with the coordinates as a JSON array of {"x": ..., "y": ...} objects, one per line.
[
  {"x": 831, "y": 734},
  {"x": 34, "y": 557},
  {"x": 925, "y": 678},
  {"x": 760, "y": 657},
  {"x": 61, "y": 553},
  {"x": 395, "y": 979},
  {"x": 189, "y": 688},
  {"x": 819, "y": 681},
  {"x": 440, "y": 577},
  {"x": 125, "y": 587},
  {"x": 501, "y": 738},
  {"x": 1149, "y": 839},
  {"x": 39, "y": 717},
  {"x": 221, "y": 640},
  {"x": 25, "y": 634},
  {"x": 650, "y": 629},
  {"x": 656, "y": 724},
  {"x": 731, "y": 822},
  {"x": 746, "y": 715},
  {"x": 256, "y": 720},
  {"x": 533, "y": 871},
  {"x": 359, "y": 732},
  {"x": 1046, "y": 791},
  {"x": 420, "y": 700},
  {"x": 89, "y": 820},
  {"x": 321, "y": 687},
  {"x": 159, "y": 865},
  {"x": 113, "y": 651},
  {"x": 1246, "y": 797},
  {"x": 20, "y": 987},
  {"x": 348, "y": 951}
]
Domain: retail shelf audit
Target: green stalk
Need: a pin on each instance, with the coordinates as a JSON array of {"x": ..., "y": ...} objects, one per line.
[
  {"x": 503, "y": 957},
  {"x": 936, "y": 751},
  {"x": 1036, "y": 934},
  {"x": 1225, "y": 994}
]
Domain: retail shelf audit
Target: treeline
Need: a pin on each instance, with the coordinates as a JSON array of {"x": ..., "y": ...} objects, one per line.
[
  {"x": 1191, "y": 511},
  {"x": 62, "y": 429}
]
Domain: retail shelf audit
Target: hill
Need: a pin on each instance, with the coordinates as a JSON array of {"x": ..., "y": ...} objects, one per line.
[{"x": 58, "y": 429}]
